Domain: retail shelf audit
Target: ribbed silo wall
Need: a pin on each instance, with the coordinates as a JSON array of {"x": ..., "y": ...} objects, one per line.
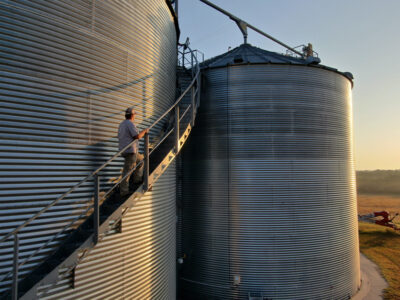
[
  {"x": 139, "y": 262},
  {"x": 268, "y": 186},
  {"x": 68, "y": 71}
]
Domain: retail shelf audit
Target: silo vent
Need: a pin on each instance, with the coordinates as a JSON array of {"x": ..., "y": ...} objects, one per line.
[{"x": 238, "y": 59}]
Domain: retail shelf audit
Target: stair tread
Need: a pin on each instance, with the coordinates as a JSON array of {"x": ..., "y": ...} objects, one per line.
[{"x": 77, "y": 238}]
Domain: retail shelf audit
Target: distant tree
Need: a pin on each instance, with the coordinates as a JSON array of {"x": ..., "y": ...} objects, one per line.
[{"x": 378, "y": 182}]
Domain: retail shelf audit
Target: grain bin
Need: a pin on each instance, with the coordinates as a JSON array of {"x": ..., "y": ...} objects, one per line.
[
  {"x": 268, "y": 186},
  {"x": 69, "y": 69}
]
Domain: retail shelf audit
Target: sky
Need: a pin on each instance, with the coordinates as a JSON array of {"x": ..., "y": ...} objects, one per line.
[{"x": 358, "y": 36}]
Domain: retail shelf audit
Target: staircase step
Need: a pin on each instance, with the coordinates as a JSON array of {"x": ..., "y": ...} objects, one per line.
[
  {"x": 107, "y": 210},
  {"x": 83, "y": 232},
  {"x": 78, "y": 240},
  {"x": 103, "y": 218},
  {"x": 52, "y": 263}
]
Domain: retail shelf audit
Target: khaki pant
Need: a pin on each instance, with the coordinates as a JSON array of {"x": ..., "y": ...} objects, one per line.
[{"x": 130, "y": 162}]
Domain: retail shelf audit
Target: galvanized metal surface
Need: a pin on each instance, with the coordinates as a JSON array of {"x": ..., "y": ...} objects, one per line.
[
  {"x": 139, "y": 262},
  {"x": 268, "y": 186},
  {"x": 246, "y": 53},
  {"x": 68, "y": 70}
]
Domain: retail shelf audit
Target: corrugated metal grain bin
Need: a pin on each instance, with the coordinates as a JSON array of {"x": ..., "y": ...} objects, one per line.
[
  {"x": 68, "y": 70},
  {"x": 268, "y": 182}
]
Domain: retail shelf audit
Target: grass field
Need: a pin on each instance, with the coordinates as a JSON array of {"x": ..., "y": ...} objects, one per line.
[
  {"x": 370, "y": 203},
  {"x": 381, "y": 244}
]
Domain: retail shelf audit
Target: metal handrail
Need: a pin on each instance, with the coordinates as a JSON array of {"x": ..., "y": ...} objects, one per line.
[
  {"x": 194, "y": 51},
  {"x": 101, "y": 167},
  {"x": 185, "y": 112},
  {"x": 185, "y": 61},
  {"x": 94, "y": 174},
  {"x": 178, "y": 100},
  {"x": 189, "y": 62},
  {"x": 34, "y": 217}
]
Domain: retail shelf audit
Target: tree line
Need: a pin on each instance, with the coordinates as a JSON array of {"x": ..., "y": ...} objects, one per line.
[{"x": 378, "y": 182}]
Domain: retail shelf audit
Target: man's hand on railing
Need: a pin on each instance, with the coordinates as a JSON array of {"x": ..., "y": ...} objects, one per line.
[
  {"x": 142, "y": 133},
  {"x": 95, "y": 174}
]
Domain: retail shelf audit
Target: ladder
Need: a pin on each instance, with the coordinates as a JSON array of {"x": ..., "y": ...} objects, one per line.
[{"x": 107, "y": 210}]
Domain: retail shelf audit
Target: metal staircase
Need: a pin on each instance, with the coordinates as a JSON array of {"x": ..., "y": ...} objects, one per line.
[{"x": 78, "y": 237}]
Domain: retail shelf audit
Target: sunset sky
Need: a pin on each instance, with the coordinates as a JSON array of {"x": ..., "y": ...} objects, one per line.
[{"x": 359, "y": 36}]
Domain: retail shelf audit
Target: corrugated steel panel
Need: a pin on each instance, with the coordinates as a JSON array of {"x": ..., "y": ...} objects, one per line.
[
  {"x": 268, "y": 186},
  {"x": 68, "y": 70},
  {"x": 139, "y": 262},
  {"x": 248, "y": 54}
]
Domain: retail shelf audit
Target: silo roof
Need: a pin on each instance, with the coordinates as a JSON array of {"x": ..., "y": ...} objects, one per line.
[{"x": 248, "y": 54}]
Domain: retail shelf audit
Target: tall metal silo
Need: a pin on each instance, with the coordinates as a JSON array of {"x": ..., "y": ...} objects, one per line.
[
  {"x": 68, "y": 71},
  {"x": 268, "y": 184}
]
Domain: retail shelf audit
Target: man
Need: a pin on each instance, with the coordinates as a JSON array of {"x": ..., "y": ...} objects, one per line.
[{"x": 127, "y": 133}]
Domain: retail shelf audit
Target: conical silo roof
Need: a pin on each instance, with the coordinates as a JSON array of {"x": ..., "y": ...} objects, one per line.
[{"x": 248, "y": 54}]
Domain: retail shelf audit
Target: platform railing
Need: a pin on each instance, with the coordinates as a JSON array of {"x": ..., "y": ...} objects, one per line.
[{"x": 191, "y": 64}]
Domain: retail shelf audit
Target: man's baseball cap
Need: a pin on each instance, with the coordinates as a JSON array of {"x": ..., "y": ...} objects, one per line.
[{"x": 130, "y": 111}]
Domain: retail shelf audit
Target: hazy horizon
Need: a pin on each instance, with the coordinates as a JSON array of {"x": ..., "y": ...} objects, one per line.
[{"x": 358, "y": 36}]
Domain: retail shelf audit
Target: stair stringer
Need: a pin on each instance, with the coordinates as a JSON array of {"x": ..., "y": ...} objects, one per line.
[{"x": 84, "y": 249}]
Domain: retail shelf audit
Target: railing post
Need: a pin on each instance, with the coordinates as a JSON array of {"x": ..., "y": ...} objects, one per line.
[
  {"x": 198, "y": 90},
  {"x": 191, "y": 63},
  {"x": 176, "y": 128},
  {"x": 96, "y": 216},
  {"x": 183, "y": 58},
  {"x": 193, "y": 105},
  {"x": 15, "y": 268},
  {"x": 146, "y": 162}
]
